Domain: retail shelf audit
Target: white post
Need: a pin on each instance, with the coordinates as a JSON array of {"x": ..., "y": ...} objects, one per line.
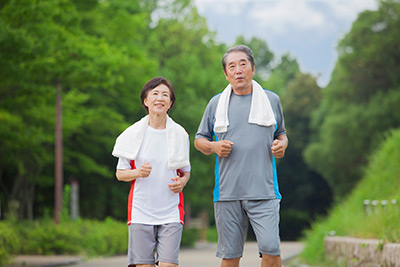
[{"x": 74, "y": 200}]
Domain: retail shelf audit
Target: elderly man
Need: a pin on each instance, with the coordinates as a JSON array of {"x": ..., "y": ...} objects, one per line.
[{"x": 244, "y": 126}]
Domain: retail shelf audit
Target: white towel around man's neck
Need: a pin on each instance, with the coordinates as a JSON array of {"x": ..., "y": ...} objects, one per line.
[
  {"x": 129, "y": 141},
  {"x": 261, "y": 112}
]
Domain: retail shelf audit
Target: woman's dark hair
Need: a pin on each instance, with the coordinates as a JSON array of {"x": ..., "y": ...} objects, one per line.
[{"x": 153, "y": 83}]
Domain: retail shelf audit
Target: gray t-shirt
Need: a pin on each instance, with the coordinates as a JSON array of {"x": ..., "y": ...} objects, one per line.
[{"x": 249, "y": 172}]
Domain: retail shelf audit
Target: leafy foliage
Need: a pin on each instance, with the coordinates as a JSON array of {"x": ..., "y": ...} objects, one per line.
[
  {"x": 359, "y": 104},
  {"x": 306, "y": 195},
  {"x": 103, "y": 66},
  {"x": 9, "y": 243}
]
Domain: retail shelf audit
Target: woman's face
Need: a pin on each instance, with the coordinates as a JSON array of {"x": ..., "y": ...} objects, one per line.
[{"x": 158, "y": 100}]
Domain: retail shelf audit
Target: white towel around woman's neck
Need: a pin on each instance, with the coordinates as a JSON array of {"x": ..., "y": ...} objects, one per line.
[
  {"x": 129, "y": 141},
  {"x": 261, "y": 112}
]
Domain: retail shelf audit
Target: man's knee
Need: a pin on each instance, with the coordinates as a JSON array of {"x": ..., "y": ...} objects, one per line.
[
  {"x": 271, "y": 260},
  {"x": 230, "y": 262}
]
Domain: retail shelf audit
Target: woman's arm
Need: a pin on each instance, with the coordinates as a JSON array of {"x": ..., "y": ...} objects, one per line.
[
  {"x": 127, "y": 175},
  {"x": 180, "y": 182}
]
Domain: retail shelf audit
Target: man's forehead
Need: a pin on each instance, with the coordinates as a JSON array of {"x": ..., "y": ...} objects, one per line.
[{"x": 237, "y": 57}]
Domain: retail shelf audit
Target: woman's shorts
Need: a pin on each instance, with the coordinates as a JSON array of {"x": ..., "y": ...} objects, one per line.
[{"x": 150, "y": 244}]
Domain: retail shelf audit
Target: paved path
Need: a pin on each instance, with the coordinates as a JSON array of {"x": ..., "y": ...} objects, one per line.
[{"x": 200, "y": 256}]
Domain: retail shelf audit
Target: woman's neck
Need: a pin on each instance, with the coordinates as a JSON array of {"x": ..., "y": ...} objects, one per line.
[{"x": 157, "y": 121}]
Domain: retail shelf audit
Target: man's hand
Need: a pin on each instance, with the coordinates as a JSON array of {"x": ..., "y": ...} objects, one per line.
[
  {"x": 145, "y": 170},
  {"x": 278, "y": 148},
  {"x": 223, "y": 148}
]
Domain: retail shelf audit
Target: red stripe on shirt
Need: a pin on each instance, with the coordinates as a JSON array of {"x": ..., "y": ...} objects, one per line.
[
  {"x": 181, "y": 205},
  {"x": 181, "y": 208},
  {"x": 130, "y": 197}
]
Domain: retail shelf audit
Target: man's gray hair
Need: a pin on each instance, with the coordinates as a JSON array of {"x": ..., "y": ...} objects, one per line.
[{"x": 239, "y": 48}]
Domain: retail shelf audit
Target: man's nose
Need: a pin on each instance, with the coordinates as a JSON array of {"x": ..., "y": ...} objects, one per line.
[{"x": 238, "y": 69}]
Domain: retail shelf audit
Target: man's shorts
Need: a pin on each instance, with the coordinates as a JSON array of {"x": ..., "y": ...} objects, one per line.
[
  {"x": 145, "y": 240},
  {"x": 232, "y": 218}
]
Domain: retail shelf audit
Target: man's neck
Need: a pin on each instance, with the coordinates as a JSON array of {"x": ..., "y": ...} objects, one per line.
[{"x": 243, "y": 91}]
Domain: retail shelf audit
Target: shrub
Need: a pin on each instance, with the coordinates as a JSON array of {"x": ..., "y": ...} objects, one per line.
[
  {"x": 105, "y": 238},
  {"x": 46, "y": 238},
  {"x": 8, "y": 242},
  {"x": 189, "y": 237}
]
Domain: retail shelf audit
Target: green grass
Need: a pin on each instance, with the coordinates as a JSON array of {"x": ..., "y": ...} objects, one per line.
[{"x": 381, "y": 182}]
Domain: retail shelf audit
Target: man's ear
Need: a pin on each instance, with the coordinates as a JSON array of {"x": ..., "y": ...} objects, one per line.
[{"x": 226, "y": 76}]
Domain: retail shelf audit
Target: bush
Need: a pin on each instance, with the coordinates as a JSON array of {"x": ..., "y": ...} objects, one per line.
[
  {"x": 105, "y": 238},
  {"x": 85, "y": 237},
  {"x": 8, "y": 242},
  {"x": 189, "y": 237},
  {"x": 46, "y": 238}
]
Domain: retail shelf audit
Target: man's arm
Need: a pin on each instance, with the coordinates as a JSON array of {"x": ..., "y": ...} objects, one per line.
[
  {"x": 279, "y": 146},
  {"x": 223, "y": 148}
]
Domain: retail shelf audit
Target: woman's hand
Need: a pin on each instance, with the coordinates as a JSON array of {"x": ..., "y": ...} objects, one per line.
[
  {"x": 179, "y": 182},
  {"x": 145, "y": 170}
]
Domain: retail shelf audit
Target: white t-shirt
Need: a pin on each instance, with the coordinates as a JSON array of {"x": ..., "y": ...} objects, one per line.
[{"x": 150, "y": 199}]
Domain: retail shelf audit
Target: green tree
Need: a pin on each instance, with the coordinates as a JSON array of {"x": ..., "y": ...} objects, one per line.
[
  {"x": 282, "y": 74},
  {"x": 305, "y": 193},
  {"x": 43, "y": 46},
  {"x": 359, "y": 104},
  {"x": 102, "y": 68}
]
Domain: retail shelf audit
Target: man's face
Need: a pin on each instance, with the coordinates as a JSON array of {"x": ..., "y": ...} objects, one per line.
[{"x": 239, "y": 72}]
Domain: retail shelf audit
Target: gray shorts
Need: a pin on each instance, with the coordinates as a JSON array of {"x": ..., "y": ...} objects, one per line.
[
  {"x": 150, "y": 244},
  {"x": 232, "y": 218}
]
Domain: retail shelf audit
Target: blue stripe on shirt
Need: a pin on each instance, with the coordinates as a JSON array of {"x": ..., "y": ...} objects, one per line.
[{"x": 274, "y": 172}]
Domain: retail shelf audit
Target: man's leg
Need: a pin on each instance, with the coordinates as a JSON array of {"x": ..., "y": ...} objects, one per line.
[
  {"x": 264, "y": 218},
  {"x": 271, "y": 261},
  {"x": 230, "y": 262},
  {"x": 231, "y": 224}
]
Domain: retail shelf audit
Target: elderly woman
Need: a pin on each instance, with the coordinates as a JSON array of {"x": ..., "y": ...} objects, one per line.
[{"x": 154, "y": 157}]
